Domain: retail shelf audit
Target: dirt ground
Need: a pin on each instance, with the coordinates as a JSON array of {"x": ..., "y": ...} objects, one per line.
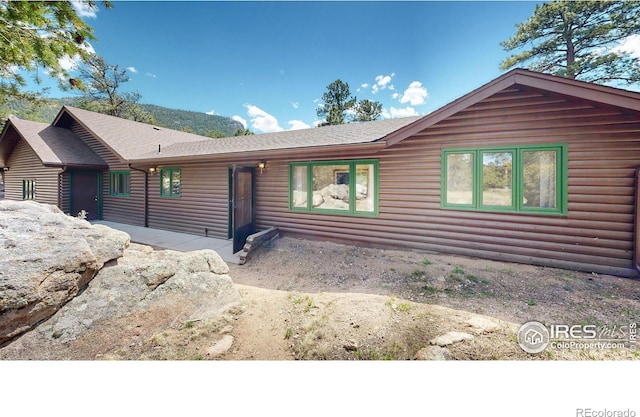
[
  {"x": 334, "y": 301},
  {"x": 313, "y": 300}
]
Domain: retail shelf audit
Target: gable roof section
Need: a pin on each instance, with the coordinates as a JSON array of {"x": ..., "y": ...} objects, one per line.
[
  {"x": 128, "y": 139},
  {"x": 55, "y": 147},
  {"x": 346, "y": 134},
  {"x": 558, "y": 85}
]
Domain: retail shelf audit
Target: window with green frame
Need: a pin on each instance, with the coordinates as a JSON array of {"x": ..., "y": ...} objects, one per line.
[
  {"x": 29, "y": 189},
  {"x": 120, "y": 183},
  {"x": 338, "y": 187},
  {"x": 170, "y": 182},
  {"x": 528, "y": 179}
]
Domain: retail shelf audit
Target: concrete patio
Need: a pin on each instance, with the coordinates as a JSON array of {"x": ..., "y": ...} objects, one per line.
[{"x": 175, "y": 241}]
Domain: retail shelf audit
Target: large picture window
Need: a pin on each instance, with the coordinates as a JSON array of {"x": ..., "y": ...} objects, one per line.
[
  {"x": 518, "y": 179},
  {"x": 170, "y": 182},
  {"x": 120, "y": 183},
  {"x": 340, "y": 187}
]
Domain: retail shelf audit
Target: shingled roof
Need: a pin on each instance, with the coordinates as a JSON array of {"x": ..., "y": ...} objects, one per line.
[
  {"x": 57, "y": 145},
  {"x": 54, "y": 146},
  {"x": 127, "y": 138},
  {"x": 346, "y": 134}
]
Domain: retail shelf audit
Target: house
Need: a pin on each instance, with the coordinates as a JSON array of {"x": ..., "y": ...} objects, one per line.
[{"x": 529, "y": 168}]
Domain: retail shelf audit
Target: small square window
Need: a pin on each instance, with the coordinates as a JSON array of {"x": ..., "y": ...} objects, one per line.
[
  {"x": 120, "y": 183},
  {"x": 170, "y": 182}
]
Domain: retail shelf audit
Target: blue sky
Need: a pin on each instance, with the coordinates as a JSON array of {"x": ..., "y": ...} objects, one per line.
[{"x": 267, "y": 64}]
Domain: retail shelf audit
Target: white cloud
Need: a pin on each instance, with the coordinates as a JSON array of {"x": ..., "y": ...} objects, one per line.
[
  {"x": 83, "y": 9},
  {"x": 11, "y": 69},
  {"x": 210, "y": 113},
  {"x": 365, "y": 85},
  {"x": 415, "y": 94},
  {"x": 71, "y": 63},
  {"x": 241, "y": 120},
  {"x": 394, "y": 113},
  {"x": 295, "y": 104},
  {"x": 630, "y": 45},
  {"x": 132, "y": 70},
  {"x": 261, "y": 120},
  {"x": 298, "y": 124},
  {"x": 149, "y": 74},
  {"x": 68, "y": 63},
  {"x": 382, "y": 82}
]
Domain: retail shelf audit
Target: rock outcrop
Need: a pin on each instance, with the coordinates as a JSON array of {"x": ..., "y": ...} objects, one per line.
[
  {"x": 72, "y": 283},
  {"x": 142, "y": 293},
  {"x": 46, "y": 259}
]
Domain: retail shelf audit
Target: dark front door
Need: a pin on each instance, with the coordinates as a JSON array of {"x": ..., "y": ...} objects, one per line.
[
  {"x": 243, "y": 219},
  {"x": 85, "y": 193}
]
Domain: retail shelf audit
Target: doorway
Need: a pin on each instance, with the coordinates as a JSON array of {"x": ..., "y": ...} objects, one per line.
[
  {"x": 241, "y": 205},
  {"x": 85, "y": 193}
]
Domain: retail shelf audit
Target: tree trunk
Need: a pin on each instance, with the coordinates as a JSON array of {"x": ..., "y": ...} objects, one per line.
[
  {"x": 571, "y": 58},
  {"x": 571, "y": 52}
]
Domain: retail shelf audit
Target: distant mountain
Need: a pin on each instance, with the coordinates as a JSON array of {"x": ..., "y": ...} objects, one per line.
[
  {"x": 190, "y": 121},
  {"x": 198, "y": 123}
]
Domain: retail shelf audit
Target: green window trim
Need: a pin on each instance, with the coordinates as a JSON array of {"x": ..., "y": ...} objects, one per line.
[
  {"x": 28, "y": 189},
  {"x": 171, "y": 182},
  {"x": 517, "y": 189},
  {"x": 120, "y": 183},
  {"x": 344, "y": 171}
]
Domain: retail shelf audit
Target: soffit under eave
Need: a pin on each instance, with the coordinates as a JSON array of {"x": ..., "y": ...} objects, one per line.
[
  {"x": 7, "y": 144},
  {"x": 72, "y": 165},
  {"x": 581, "y": 90}
]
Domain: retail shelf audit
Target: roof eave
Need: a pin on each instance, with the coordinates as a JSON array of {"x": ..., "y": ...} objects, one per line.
[
  {"x": 66, "y": 110},
  {"x": 579, "y": 89},
  {"x": 265, "y": 154},
  {"x": 74, "y": 166},
  {"x": 5, "y": 129},
  {"x": 38, "y": 155},
  {"x": 452, "y": 108}
]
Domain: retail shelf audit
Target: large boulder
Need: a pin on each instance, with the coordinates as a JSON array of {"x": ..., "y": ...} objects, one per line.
[
  {"x": 46, "y": 259},
  {"x": 199, "y": 281},
  {"x": 143, "y": 293}
]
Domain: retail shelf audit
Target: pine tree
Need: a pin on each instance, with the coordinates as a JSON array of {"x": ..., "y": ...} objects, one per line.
[
  {"x": 337, "y": 101},
  {"x": 578, "y": 40},
  {"x": 101, "y": 85},
  {"x": 367, "y": 110},
  {"x": 35, "y": 35}
]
